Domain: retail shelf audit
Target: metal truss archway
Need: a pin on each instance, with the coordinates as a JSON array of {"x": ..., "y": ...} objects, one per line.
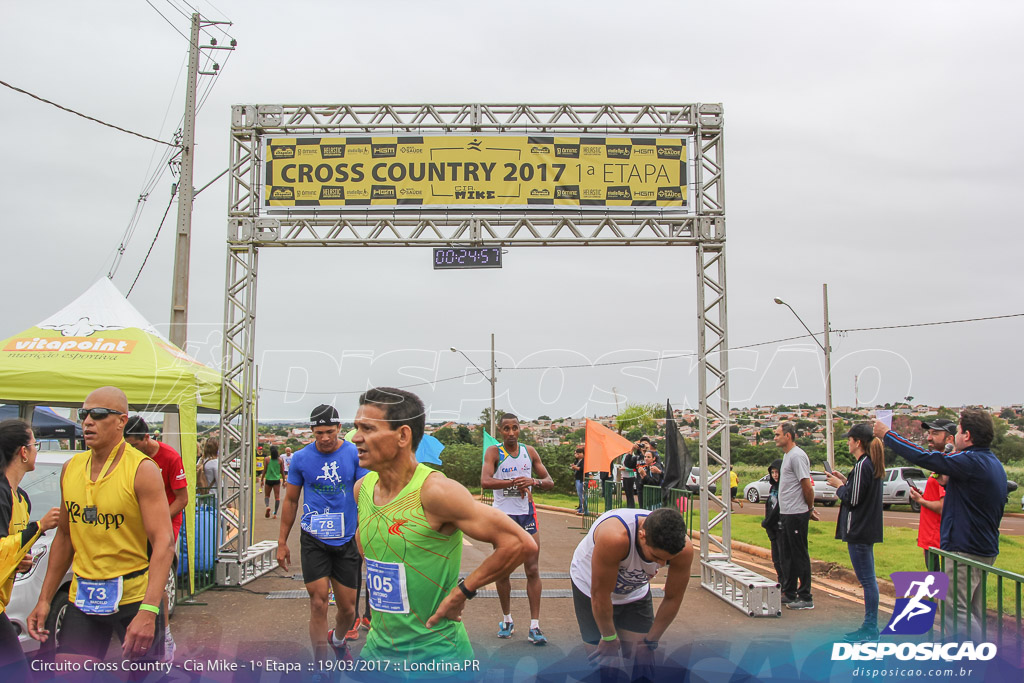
[{"x": 251, "y": 227}]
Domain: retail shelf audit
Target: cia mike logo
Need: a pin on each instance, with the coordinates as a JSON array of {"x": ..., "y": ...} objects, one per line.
[{"x": 914, "y": 613}]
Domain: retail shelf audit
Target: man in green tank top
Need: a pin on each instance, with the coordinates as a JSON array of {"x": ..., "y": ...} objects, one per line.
[{"x": 411, "y": 522}]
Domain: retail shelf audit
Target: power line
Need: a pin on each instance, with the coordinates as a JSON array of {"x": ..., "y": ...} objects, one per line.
[
  {"x": 170, "y": 23},
  {"x": 153, "y": 243},
  {"x": 359, "y": 391},
  {"x": 668, "y": 357},
  {"x": 941, "y": 322},
  {"x": 84, "y": 116}
]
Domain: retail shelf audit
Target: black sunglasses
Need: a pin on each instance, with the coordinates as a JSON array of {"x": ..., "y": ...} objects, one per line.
[{"x": 96, "y": 413}]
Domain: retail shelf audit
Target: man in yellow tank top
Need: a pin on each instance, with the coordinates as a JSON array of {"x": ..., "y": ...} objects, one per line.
[
  {"x": 415, "y": 595},
  {"x": 113, "y": 505}
]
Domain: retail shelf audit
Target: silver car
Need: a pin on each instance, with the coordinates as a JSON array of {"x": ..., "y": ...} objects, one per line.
[
  {"x": 756, "y": 491},
  {"x": 43, "y": 489},
  {"x": 897, "y": 484}
]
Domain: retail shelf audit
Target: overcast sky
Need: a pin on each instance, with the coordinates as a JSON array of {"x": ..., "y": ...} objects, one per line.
[{"x": 874, "y": 146}]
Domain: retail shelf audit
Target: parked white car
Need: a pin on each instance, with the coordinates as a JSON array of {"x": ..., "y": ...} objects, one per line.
[
  {"x": 693, "y": 482},
  {"x": 897, "y": 484},
  {"x": 757, "y": 491},
  {"x": 43, "y": 489}
]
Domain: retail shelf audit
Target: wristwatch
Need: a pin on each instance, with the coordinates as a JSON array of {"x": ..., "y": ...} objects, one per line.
[
  {"x": 465, "y": 591},
  {"x": 651, "y": 644}
]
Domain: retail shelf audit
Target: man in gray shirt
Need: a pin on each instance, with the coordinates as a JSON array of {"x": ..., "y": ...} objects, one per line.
[{"x": 796, "y": 507}]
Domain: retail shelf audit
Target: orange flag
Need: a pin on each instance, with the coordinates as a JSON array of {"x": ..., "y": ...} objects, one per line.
[{"x": 602, "y": 446}]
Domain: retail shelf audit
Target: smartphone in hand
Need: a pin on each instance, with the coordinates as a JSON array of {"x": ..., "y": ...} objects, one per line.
[{"x": 828, "y": 468}]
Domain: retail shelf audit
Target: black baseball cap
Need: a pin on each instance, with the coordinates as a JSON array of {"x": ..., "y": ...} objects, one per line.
[
  {"x": 324, "y": 414},
  {"x": 860, "y": 432},
  {"x": 941, "y": 424}
]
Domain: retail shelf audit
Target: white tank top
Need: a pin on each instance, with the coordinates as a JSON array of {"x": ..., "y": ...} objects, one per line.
[
  {"x": 635, "y": 573},
  {"x": 509, "y": 500}
]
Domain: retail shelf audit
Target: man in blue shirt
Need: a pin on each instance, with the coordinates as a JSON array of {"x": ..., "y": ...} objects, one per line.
[
  {"x": 973, "y": 507},
  {"x": 325, "y": 472}
]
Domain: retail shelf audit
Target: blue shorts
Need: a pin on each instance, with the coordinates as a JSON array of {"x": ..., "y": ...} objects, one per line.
[{"x": 527, "y": 521}]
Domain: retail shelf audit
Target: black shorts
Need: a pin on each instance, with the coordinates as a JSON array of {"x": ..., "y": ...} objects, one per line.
[
  {"x": 89, "y": 634},
  {"x": 338, "y": 562},
  {"x": 637, "y": 617},
  {"x": 733, "y": 491}
]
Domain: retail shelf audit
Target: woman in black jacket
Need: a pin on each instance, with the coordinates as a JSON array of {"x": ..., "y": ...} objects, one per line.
[
  {"x": 649, "y": 472},
  {"x": 771, "y": 517},
  {"x": 860, "y": 518}
]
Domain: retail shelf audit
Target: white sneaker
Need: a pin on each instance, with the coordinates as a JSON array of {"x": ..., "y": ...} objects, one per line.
[{"x": 168, "y": 646}]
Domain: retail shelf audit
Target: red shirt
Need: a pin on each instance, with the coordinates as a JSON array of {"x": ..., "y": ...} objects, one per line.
[
  {"x": 928, "y": 531},
  {"x": 174, "y": 478}
]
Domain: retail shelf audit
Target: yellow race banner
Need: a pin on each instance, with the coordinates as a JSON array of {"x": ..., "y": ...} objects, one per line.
[{"x": 475, "y": 171}]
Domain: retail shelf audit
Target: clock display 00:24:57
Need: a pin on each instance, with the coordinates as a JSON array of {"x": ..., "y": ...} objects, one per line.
[{"x": 450, "y": 258}]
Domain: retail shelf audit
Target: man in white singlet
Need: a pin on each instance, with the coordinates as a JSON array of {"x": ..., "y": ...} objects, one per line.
[
  {"x": 512, "y": 470},
  {"x": 611, "y": 572}
]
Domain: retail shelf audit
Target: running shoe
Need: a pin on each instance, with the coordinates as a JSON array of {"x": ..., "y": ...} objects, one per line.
[
  {"x": 353, "y": 633},
  {"x": 342, "y": 653},
  {"x": 364, "y": 623},
  {"x": 266, "y": 515},
  {"x": 864, "y": 633},
  {"x": 536, "y": 637},
  {"x": 801, "y": 604},
  {"x": 506, "y": 629}
]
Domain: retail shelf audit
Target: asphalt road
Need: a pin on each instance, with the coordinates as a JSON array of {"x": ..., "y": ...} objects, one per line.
[
  {"x": 244, "y": 624},
  {"x": 1011, "y": 525}
]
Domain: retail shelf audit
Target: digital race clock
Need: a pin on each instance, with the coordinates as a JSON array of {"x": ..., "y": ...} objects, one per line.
[{"x": 471, "y": 257}]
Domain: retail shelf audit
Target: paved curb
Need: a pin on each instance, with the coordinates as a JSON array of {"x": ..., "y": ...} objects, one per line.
[{"x": 819, "y": 567}]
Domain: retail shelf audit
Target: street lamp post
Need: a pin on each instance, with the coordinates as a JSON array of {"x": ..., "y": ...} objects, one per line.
[
  {"x": 827, "y": 348},
  {"x": 491, "y": 380}
]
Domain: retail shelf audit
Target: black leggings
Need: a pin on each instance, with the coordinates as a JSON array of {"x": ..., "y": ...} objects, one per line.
[{"x": 13, "y": 665}]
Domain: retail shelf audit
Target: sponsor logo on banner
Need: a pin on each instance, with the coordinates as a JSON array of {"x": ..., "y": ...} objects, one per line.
[
  {"x": 332, "y": 151},
  {"x": 567, "y": 192},
  {"x": 670, "y": 152},
  {"x": 543, "y": 149},
  {"x": 76, "y": 344},
  {"x": 385, "y": 150},
  {"x": 540, "y": 193},
  {"x": 282, "y": 193},
  {"x": 282, "y": 151},
  {"x": 332, "y": 192},
  {"x": 620, "y": 192},
  {"x": 383, "y": 192},
  {"x": 618, "y": 151},
  {"x": 670, "y": 194},
  {"x": 567, "y": 151}
]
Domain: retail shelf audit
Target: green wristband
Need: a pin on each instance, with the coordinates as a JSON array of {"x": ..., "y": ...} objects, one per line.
[
  {"x": 149, "y": 608},
  {"x": 608, "y": 639}
]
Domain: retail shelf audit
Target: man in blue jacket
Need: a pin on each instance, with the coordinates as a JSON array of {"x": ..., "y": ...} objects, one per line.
[{"x": 973, "y": 507}]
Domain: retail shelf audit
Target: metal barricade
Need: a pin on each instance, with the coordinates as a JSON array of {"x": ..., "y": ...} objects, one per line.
[
  {"x": 654, "y": 498},
  {"x": 1006, "y": 618}
]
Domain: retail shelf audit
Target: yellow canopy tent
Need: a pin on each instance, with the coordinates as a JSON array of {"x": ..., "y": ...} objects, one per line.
[{"x": 100, "y": 339}]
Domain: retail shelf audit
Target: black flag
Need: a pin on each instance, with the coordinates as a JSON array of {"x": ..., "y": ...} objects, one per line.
[{"x": 677, "y": 456}]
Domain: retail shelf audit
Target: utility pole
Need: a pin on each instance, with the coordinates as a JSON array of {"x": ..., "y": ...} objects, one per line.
[
  {"x": 856, "y": 392},
  {"x": 186, "y": 193},
  {"x": 493, "y": 366},
  {"x": 178, "y": 333},
  {"x": 830, "y": 430},
  {"x": 183, "y": 235}
]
